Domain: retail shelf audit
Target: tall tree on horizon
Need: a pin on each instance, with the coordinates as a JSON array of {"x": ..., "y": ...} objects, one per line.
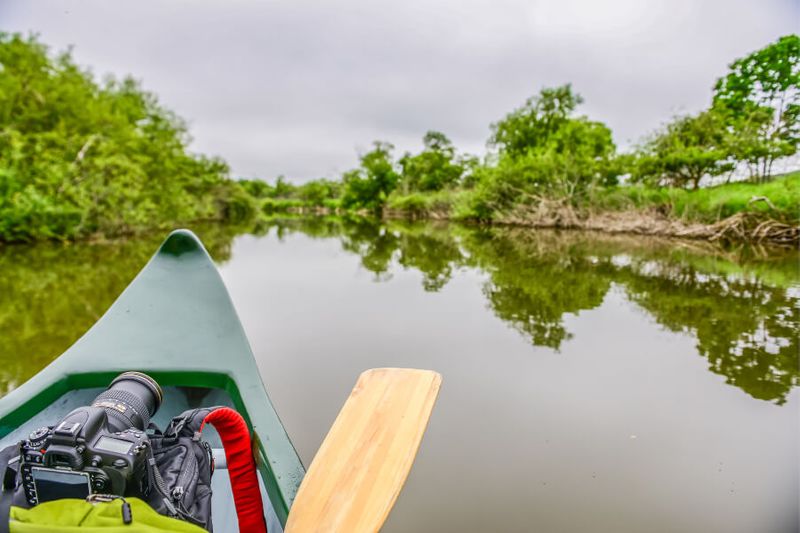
[{"x": 760, "y": 98}]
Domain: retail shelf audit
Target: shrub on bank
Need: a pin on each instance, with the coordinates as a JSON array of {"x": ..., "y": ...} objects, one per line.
[
  {"x": 81, "y": 158},
  {"x": 420, "y": 204},
  {"x": 281, "y": 205}
]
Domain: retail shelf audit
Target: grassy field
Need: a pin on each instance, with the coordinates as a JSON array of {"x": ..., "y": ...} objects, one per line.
[{"x": 711, "y": 204}]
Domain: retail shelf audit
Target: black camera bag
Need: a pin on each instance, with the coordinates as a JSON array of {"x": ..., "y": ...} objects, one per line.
[{"x": 181, "y": 480}]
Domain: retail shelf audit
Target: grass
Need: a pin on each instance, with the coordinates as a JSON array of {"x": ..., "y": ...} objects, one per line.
[
  {"x": 423, "y": 204},
  {"x": 709, "y": 204}
]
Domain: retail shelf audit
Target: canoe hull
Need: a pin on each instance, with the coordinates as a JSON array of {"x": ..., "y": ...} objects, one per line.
[{"x": 176, "y": 322}]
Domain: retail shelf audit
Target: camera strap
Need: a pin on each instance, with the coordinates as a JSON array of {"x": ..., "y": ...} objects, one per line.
[
  {"x": 9, "y": 484},
  {"x": 6, "y": 499}
]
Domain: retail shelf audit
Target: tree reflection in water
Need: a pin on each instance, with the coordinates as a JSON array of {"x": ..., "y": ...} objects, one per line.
[
  {"x": 50, "y": 293},
  {"x": 743, "y": 312}
]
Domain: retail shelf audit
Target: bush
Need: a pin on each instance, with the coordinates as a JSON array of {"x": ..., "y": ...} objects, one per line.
[
  {"x": 422, "y": 204},
  {"x": 369, "y": 186},
  {"x": 79, "y": 158},
  {"x": 236, "y": 203},
  {"x": 281, "y": 205}
]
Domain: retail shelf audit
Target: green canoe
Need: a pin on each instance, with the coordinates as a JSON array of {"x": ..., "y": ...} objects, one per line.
[{"x": 175, "y": 322}]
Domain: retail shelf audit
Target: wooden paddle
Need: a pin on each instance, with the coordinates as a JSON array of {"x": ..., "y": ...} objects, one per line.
[{"x": 363, "y": 463}]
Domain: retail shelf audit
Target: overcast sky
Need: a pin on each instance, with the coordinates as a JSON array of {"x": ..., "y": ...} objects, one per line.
[{"x": 300, "y": 88}]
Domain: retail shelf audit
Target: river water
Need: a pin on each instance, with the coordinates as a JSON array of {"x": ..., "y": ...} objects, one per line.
[{"x": 591, "y": 383}]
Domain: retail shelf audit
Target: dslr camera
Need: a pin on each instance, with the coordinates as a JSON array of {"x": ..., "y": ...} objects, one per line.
[{"x": 99, "y": 449}]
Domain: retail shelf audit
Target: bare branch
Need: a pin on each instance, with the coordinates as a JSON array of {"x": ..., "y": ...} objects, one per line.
[{"x": 762, "y": 199}]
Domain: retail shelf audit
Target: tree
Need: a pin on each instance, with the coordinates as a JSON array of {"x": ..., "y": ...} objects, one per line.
[
  {"x": 368, "y": 186},
  {"x": 532, "y": 125},
  {"x": 577, "y": 157},
  {"x": 315, "y": 192},
  {"x": 79, "y": 158},
  {"x": 283, "y": 188},
  {"x": 760, "y": 98},
  {"x": 433, "y": 169},
  {"x": 256, "y": 188},
  {"x": 684, "y": 151},
  {"x": 544, "y": 151}
]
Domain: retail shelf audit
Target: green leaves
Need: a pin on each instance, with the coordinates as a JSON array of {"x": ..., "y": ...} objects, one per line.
[
  {"x": 760, "y": 100},
  {"x": 80, "y": 158},
  {"x": 368, "y": 186},
  {"x": 544, "y": 151},
  {"x": 433, "y": 169},
  {"x": 684, "y": 151},
  {"x": 533, "y": 125}
]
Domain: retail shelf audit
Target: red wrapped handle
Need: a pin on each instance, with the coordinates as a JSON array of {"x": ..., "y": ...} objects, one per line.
[{"x": 241, "y": 467}]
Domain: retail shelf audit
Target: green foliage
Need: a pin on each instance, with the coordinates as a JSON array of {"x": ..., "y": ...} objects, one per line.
[
  {"x": 419, "y": 204},
  {"x": 368, "y": 186},
  {"x": 318, "y": 193},
  {"x": 234, "y": 202},
  {"x": 79, "y": 158},
  {"x": 760, "y": 98},
  {"x": 533, "y": 124},
  {"x": 686, "y": 150},
  {"x": 281, "y": 205},
  {"x": 257, "y": 188},
  {"x": 544, "y": 151},
  {"x": 433, "y": 169},
  {"x": 282, "y": 188},
  {"x": 778, "y": 199}
]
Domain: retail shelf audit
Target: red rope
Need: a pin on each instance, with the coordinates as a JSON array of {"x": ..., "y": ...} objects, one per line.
[{"x": 241, "y": 467}]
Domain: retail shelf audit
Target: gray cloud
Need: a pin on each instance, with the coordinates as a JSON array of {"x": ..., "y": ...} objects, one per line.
[{"x": 297, "y": 88}]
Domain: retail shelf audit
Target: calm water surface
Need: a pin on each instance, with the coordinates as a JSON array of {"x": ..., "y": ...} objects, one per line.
[{"x": 591, "y": 383}]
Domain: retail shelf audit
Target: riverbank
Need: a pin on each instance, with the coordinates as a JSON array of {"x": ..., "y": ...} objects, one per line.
[
  {"x": 765, "y": 213},
  {"x": 742, "y": 227}
]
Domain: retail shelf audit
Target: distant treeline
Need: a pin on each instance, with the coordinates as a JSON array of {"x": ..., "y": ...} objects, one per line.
[
  {"x": 546, "y": 151},
  {"x": 82, "y": 158}
]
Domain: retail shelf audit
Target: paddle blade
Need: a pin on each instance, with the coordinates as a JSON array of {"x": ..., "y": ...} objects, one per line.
[{"x": 363, "y": 463}]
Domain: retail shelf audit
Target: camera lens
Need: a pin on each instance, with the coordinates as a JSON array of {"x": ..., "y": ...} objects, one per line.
[{"x": 130, "y": 401}]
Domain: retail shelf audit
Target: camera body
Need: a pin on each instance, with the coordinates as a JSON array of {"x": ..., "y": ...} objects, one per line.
[
  {"x": 97, "y": 449},
  {"x": 81, "y": 455}
]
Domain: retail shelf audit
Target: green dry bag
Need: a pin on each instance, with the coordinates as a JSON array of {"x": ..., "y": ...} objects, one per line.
[{"x": 80, "y": 516}]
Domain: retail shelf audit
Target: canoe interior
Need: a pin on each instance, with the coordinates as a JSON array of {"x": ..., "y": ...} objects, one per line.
[
  {"x": 176, "y": 400},
  {"x": 175, "y": 322}
]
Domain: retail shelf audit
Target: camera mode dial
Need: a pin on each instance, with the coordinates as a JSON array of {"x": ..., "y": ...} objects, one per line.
[{"x": 38, "y": 437}]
